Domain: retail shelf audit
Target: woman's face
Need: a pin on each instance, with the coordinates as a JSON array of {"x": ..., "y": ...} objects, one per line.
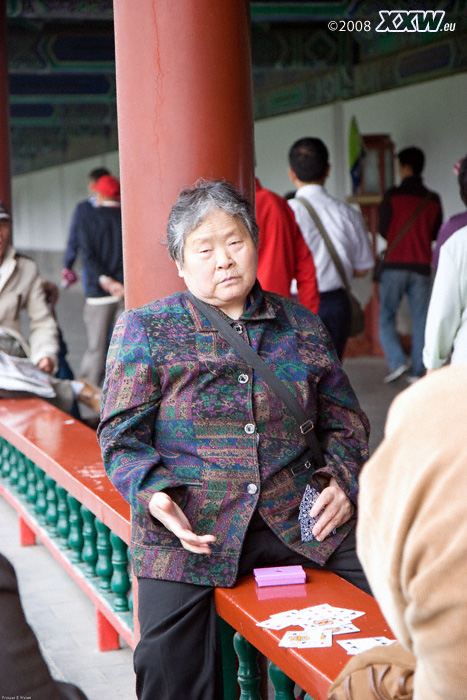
[{"x": 219, "y": 262}]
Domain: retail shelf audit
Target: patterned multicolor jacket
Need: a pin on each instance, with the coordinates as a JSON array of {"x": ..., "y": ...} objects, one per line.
[{"x": 182, "y": 413}]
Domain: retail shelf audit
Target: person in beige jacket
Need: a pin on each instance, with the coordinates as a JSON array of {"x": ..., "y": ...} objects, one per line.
[
  {"x": 412, "y": 529},
  {"x": 22, "y": 289}
]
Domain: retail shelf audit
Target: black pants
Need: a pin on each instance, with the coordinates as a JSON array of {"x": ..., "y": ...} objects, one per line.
[
  {"x": 179, "y": 652},
  {"x": 334, "y": 311}
]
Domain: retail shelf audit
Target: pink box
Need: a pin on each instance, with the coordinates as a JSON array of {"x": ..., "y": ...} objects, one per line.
[{"x": 279, "y": 575}]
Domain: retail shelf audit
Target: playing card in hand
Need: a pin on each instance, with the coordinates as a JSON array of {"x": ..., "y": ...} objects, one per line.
[{"x": 307, "y": 523}]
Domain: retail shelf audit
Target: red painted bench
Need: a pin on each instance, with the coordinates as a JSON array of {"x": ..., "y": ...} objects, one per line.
[
  {"x": 67, "y": 452},
  {"x": 312, "y": 669}
]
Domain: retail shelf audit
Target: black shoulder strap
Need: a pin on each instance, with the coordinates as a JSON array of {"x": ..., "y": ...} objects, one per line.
[
  {"x": 327, "y": 241},
  {"x": 400, "y": 235},
  {"x": 254, "y": 360}
]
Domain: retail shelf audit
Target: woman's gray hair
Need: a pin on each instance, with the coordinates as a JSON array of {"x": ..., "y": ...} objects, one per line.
[{"x": 196, "y": 202}]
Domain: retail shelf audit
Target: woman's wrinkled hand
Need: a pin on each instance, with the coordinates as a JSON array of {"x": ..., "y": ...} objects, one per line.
[
  {"x": 337, "y": 510},
  {"x": 167, "y": 512}
]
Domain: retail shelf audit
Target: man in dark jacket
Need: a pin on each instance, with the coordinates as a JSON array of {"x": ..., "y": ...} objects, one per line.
[
  {"x": 100, "y": 241},
  {"x": 410, "y": 206},
  {"x": 69, "y": 276}
]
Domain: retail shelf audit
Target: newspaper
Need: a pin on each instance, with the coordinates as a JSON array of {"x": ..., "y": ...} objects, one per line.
[{"x": 18, "y": 374}]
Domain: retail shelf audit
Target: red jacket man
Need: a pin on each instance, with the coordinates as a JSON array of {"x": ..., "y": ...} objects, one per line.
[{"x": 283, "y": 253}]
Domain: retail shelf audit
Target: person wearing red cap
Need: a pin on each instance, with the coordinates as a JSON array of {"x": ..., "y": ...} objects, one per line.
[
  {"x": 69, "y": 276},
  {"x": 100, "y": 242}
]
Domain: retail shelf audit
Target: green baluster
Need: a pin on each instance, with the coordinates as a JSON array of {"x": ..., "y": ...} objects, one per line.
[
  {"x": 40, "y": 505},
  {"x": 104, "y": 568},
  {"x": 75, "y": 536},
  {"x": 248, "y": 671},
  {"x": 229, "y": 660},
  {"x": 5, "y": 459},
  {"x": 63, "y": 515},
  {"x": 13, "y": 475},
  {"x": 31, "y": 492},
  {"x": 22, "y": 484},
  {"x": 283, "y": 685},
  {"x": 90, "y": 537},
  {"x": 51, "y": 513},
  {"x": 120, "y": 582}
]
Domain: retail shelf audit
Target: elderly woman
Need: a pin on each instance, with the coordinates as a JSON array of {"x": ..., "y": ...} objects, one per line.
[{"x": 210, "y": 459}]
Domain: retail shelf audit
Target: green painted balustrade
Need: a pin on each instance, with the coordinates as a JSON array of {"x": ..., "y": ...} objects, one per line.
[{"x": 99, "y": 555}]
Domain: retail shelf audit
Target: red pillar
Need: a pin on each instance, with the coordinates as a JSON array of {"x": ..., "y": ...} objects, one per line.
[
  {"x": 5, "y": 175},
  {"x": 185, "y": 110}
]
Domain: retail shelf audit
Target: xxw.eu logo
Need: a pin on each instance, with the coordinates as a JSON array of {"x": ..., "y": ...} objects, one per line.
[{"x": 413, "y": 21}]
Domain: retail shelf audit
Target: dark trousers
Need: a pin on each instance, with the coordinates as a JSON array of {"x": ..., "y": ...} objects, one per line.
[
  {"x": 334, "y": 311},
  {"x": 178, "y": 655},
  {"x": 23, "y": 671}
]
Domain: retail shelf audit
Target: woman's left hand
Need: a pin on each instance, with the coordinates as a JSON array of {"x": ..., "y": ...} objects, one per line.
[
  {"x": 337, "y": 510},
  {"x": 164, "y": 509}
]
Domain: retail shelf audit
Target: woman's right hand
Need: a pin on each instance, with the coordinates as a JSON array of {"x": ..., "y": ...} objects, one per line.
[{"x": 164, "y": 509}]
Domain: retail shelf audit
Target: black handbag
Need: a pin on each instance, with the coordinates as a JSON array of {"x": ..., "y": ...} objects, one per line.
[
  {"x": 255, "y": 362},
  {"x": 379, "y": 266}
]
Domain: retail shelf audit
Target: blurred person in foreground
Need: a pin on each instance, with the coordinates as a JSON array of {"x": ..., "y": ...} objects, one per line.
[
  {"x": 411, "y": 533},
  {"x": 211, "y": 461}
]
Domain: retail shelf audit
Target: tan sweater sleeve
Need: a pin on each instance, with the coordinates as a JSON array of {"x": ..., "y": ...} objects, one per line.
[
  {"x": 43, "y": 331},
  {"x": 412, "y": 529}
]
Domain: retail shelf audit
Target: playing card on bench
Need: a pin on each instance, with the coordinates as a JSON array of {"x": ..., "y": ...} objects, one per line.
[
  {"x": 308, "y": 639},
  {"x": 280, "y": 620},
  {"x": 356, "y": 646}
]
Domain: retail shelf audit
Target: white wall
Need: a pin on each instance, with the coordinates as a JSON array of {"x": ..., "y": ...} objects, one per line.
[
  {"x": 43, "y": 201},
  {"x": 431, "y": 115}
]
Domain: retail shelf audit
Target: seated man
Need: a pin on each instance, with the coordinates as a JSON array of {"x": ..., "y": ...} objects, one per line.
[
  {"x": 21, "y": 289},
  {"x": 411, "y": 533}
]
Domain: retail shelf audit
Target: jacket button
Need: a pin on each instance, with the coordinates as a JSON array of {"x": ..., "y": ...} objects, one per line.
[
  {"x": 238, "y": 327},
  {"x": 249, "y": 428},
  {"x": 252, "y": 489},
  {"x": 242, "y": 378}
]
